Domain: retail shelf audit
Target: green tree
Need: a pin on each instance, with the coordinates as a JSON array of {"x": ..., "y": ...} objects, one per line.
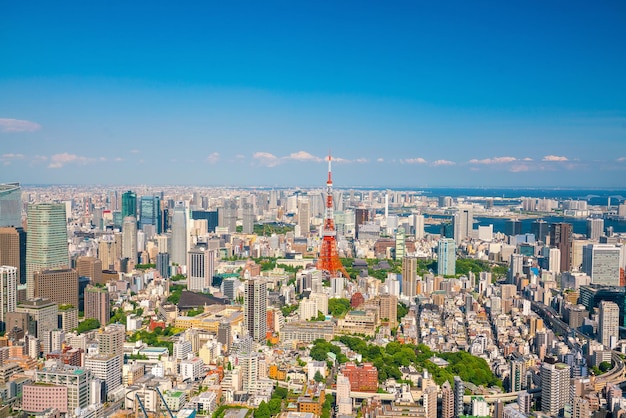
[
  {"x": 318, "y": 377},
  {"x": 280, "y": 393},
  {"x": 605, "y": 366},
  {"x": 338, "y": 306},
  {"x": 275, "y": 405},
  {"x": 263, "y": 411},
  {"x": 87, "y": 325}
]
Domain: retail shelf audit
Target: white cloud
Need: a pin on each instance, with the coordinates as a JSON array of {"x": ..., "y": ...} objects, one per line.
[
  {"x": 267, "y": 159},
  {"x": 134, "y": 151},
  {"x": 213, "y": 157},
  {"x": 118, "y": 159},
  {"x": 59, "y": 160},
  {"x": 518, "y": 168},
  {"x": 554, "y": 158},
  {"x": 418, "y": 160},
  {"x": 361, "y": 160},
  {"x": 18, "y": 125},
  {"x": 527, "y": 159},
  {"x": 439, "y": 163},
  {"x": 621, "y": 159},
  {"x": 495, "y": 160},
  {"x": 7, "y": 159},
  {"x": 303, "y": 156},
  {"x": 380, "y": 160}
]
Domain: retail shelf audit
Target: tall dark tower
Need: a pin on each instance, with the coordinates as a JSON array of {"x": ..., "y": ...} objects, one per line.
[
  {"x": 561, "y": 238},
  {"x": 129, "y": 204},
  {"x": 329, "y": 255}
]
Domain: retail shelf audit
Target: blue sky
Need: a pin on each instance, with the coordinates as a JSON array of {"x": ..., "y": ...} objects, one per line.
[{"x": 242, "y": 93}]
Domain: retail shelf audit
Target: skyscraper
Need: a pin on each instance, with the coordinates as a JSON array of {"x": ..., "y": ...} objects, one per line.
[
  {"x": 446, "y": 257},
  {"x": 46, "y": 247},
  {"x": 13, "y": 250},
  {"x": 163, "y": 265},
  {"x": 304, "y": 216},
  {"x": 43, "y": 316},
  {"x": 608, "y": 323},
  {"x": 58, "y": 285},
  {"x": 595, "y": 228},
  {"x": 200, "y": 269},
  {"x": 227, "y": 215},
  {"x": 447, "y": 400},
  {"x": 561, "y": 238},
  {"x": 179, "y": 241},
  {"x": 539, "y": 229},
  {"x": 129, "y": 238},
  {"x": 601, "y": 262},
  {"x": 97, "y": 304},
  {"x": 248, "y": 218},
  {"x": 255, "y": 309},
  {"x": 150, "y": 212},
  {"x": 409, "y": 276},
  {"x": 512, "y": 227},
  {"x": 8, "y": 293},
  {"x": 90, "y": 267},
  {"x": 463, "y": 222},
  {"x": 129, "y": 204},
  {"x": 10, "y": 205},
  {"x": 554, "y": 387}
]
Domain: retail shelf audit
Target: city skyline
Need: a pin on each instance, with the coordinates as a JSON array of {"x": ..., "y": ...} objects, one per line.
[{"x": 451, "y": 95}]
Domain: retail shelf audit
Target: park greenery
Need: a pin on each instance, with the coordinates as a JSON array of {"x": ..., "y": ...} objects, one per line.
[
  {"x": 338, "y": 307},
  {"x": 195, "y": 312},
  {"x": 87, "y": 325},
  {"x": 157, "y": 338},
  {"x": 176, "y": 290},
  {"x": 389, "y": 359},
  {"x": 145, "y": 266}
]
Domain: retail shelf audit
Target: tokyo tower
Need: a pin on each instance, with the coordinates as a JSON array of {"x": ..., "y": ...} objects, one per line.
[{"x": 329, "y": 255}]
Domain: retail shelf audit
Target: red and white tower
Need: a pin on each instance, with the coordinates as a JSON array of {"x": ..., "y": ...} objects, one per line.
[{"x": 329, "y": 255}]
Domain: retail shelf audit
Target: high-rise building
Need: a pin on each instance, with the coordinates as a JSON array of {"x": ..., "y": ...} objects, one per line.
[
  {"x": 76, "y": 380},
  {"x": 8, "y": 293},
  {"x": 255, "y": 309},
  {"x": 90, "y": 267},
  {"x": 518, "y": 373},
  {"x": 524, "y": 402},
  {"x": 304, "y": 216},
  {"x": 561, "y": 238},
  {"x": 602, "y": 263},
  {"x": 13, "y": 250},
  {"x": 540, "y": 230},
  {"x": 129, "y": 204},
  {"x": 129, "y": 238},
  {"x": 595, "y": 228},
  {"x": 446, "y": 257},
  {"x": 344, "y": 401},
  {"x": 430, "y": 401},
  {"x": 447, "y": 400},
  {"x": 180, "y": 239},
  {"x": 200, "y": 269},
  {"x": 459, "y": 392},
  {"x": 512, "y": 227},
  {"x": 580, "y": 408},
  {"x": 247, "y": 218},
  {"x": 163, "y": 265},
  {"x": 58, "y": 285},
  {"x": 608, "y": 324},
  {"x": 97, "y": 304},
  {"x": 409, "y": 277},
  {"x": 10, "y": 205},
  {"x": 106, "y": 367},
  {"x": 388, "y": 305},
  {"x": 210, "y": 216},
  {"x": 224, "y": 336},
  {"x": 249, "y": 365},
  {"x": 150, "y": 212},
  {"x": 463, "y": 223},
  {"x": 43, "y": 318},
  {"x": 46, "y": 246},
  {"x": 554, "y": 387},
  {"x": 227, "y": 216},
  {"x": 361, "y": 217},
  {"x": 400, "y": 248},
  {"x": 418, "y": 226}
]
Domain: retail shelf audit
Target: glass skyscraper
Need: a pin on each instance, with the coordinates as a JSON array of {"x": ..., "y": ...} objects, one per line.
[
  {"x": 10, "y": 205},
  {"x": 150, "y": 212},
  {"x": 129, "y": 204},
  {"x": 46, "y": 246}
]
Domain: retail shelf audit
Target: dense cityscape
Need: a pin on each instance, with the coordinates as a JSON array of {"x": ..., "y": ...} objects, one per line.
[{"x": 192, "y": 301}]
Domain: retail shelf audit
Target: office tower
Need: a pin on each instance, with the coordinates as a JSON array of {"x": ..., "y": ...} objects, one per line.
[
  {"x": 227, "y": 216},
  {"x": 361, "y": 217},
  {"x": 58, "y": 285},
  {"x": 150, "y": 212},
  {"x": 179, "y": 242},
  {"x": 77, "y": 381},
  {"x": 516, "y": 267},
  {"x": 46, "y": 246},
  {"x": 608, "y": 324},
  {"x": 554, "y": 260},
  {"x": 68, "y": 318},
  {"x": 13, "y": 250},
  {"x": 595, "y": 228},
  {"x": 498, "y": 407},
  {"x": 446, "y": 257},
  {"x": 601, "y": 262},
  {"x": 229, "y": 287},
  {"x": 200, "y": 269},
  {"x": 90, "y": 267},
  {"x": 554, "y": 387},
  {"x": 248, "y": 218},
  {"x": 388, "y": 306},
  {"x": 163, "y": 265},
  {"x": 129, "y": 239},
  {"x": 255, "y": 309},
  {"x": 561, "y": 238},
  {"x": 444, "y": 201},
  {"x": 512, "y": 227},
  {"x": 409, "y": 277},
  {"x": 459, "y": 392},
  {"x": 129, "y": 204},
  {"x": 111, "y": 340},
  {"x": 10, "y": 205},
  {"x": 447, "y": 400},
  {"x": 224, "y": 336},
  {"x": 540, "y": 230},
  {"x": 43, "y": 318},
  {"x": 463, "y": 223},
  {"x": 400, "y": 248},
  {"x": 97, "y": 304},
  {"x": 106, "y": 367},
  {"x": 210, "y": 216},
  {"x": 304, "y": 216},
  {"x": 8, "y": 293},
  {"x": 418, "y": 226}
]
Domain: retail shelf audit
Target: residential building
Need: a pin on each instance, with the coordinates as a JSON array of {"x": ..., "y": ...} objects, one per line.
[{"x": 255, "y": 308}]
